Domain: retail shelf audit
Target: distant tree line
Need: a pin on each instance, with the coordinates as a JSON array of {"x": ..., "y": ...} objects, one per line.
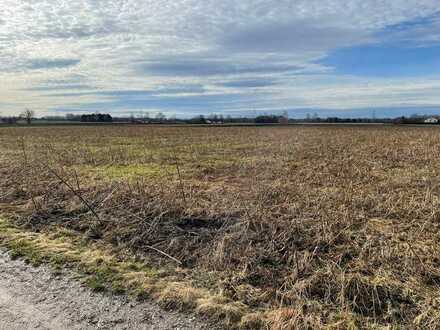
[
  {"x": 267, "y": 119},
  {"x": 97, "y": 118},
  {"x": 344, "y": 120},
  {"x": 10, "y": 120},
  {"x": 28, "y": 116},
  {"x": 417, "y": 119}
]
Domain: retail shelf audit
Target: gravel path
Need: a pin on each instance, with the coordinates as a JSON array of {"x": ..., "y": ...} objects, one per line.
[{"x": 35, "y": 298}]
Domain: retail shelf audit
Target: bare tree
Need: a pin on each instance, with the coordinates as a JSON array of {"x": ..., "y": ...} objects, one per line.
[
  {"x": 28, "y": 115},
  {"x": 160, "y": 117}
]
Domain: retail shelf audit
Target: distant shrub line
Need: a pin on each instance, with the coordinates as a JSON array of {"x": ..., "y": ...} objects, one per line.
[{"x": 97, "y": 118}]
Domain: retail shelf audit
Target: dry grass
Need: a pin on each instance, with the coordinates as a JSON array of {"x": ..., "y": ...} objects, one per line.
[{"x": 296, "y": 227}]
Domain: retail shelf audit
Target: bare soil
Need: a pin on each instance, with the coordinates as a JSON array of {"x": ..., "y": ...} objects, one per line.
[{"x": 37, "y": 298}]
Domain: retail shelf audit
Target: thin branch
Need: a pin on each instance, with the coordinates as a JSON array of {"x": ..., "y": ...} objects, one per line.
[
  {"x": 182, "y": 190},
  {"x": 163, "y": 253},
  {"x": 28, "y": 167},
  {"x": 63, "y": 181}
]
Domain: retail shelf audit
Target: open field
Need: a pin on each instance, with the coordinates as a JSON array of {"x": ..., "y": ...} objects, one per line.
[{"x": 297, "y": 227}]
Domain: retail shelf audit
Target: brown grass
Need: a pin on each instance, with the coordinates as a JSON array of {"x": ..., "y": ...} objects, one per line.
[{"x": 297, "y": 227}]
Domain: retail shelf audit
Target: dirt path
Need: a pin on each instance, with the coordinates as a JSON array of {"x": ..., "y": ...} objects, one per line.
[{"x": 35, "y": 298}]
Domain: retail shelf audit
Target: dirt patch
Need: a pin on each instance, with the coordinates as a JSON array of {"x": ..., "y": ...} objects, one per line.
[{"x": 36, "y": 298}]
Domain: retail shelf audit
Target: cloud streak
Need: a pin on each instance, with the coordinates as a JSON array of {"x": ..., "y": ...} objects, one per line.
[{"x": 44, "y": 63}]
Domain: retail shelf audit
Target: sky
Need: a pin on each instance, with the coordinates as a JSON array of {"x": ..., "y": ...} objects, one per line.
[{"x": 343, "y": 58}]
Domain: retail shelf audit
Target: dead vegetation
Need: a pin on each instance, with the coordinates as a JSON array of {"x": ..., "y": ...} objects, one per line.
[{"x": 298, "y": 227}]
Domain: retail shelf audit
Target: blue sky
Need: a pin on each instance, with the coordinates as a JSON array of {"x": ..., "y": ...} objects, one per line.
[
  {"x": 386, "y": 60},
  {"x": 186, "y": 57}
]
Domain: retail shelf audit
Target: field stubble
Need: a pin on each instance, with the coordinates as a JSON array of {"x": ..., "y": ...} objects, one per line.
[{"x": 304, "y": 227}]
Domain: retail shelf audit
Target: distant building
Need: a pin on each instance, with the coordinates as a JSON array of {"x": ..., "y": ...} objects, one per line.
[{"x": 431, "y": 120}]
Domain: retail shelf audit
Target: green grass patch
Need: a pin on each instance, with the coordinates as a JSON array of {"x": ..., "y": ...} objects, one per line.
[{"x": 130, "y": 172}]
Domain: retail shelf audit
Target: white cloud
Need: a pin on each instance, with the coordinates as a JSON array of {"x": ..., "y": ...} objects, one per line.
[{"x": 149, "y": 45}]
